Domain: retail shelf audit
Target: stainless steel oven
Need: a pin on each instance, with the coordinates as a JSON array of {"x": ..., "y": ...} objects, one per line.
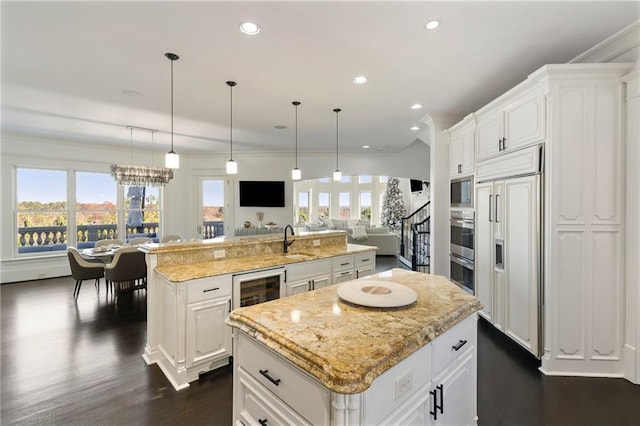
[
  {"x": 462, "y": 272},
  {"x": 462, "y": 226},
  {"x": 256, "y": 287},
  {"x": 462, "y": 192}
]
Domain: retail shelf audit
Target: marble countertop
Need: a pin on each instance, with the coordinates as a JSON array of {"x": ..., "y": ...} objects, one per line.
[
  {"x": 346, "y": 346},
  {"x": 180, "y": 272}
]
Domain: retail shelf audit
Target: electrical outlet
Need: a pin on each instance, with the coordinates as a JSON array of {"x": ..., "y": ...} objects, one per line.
[
  {"x": 403, "y": 385},
  {"x": 218, "y": 254},
  {"x": 316, "y": 243}
]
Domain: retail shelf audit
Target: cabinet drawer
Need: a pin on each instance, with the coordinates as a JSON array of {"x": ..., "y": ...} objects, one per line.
[
  {"x": 456, "y": 342},
  {"x": 293, "y": 386},
  {"x": 208, "y": 288},
  {"x": 257, "y": 404},
  {"x": 342, "y": 263},
  {"x": 364, "y": 259},
  {"x": 398, "y": 385},
  {"x": 308, "y": 269}
]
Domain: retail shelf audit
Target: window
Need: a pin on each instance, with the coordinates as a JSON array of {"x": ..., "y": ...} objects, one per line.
[
  {"x": 323, "y": 180},
  {"x": 365, "y": 205},
  {"x": 345, "y": 179},
  {"x": 41, "y": 210},
  {"x": 96, "y": 208},
  {"x": 303, "y": 206},
  {"x": 142, "y": 210},
  {"x": 344, "y": 204},
  {"x": 364, "y": 179},
  {"x": 384, "y": 179},
  {"x": 212, "y": 209},
  {"x": 324, "y": 206}
]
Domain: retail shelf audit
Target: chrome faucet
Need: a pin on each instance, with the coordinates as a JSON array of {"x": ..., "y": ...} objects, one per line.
[{"x": 288, "y": 243}]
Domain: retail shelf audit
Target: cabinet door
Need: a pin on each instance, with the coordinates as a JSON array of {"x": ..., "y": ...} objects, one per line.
[
  {"x": 297, "y": 287},
  {"x": 340, "y": 277},
  {"x": 320, "y": 282},
  {"x": 456, "y": 154},
  {"x": 365, "y": 271},
  {"x": 468, "y": 153},
  {"x": 521, "y": 256},
  {"x": 488, "y": 135},
  {"x": 524, "y": 121},
  {"x": 484, "y": 247},
  {"x": 208, "y": 337},
  {"x": 457, "y": 394}
]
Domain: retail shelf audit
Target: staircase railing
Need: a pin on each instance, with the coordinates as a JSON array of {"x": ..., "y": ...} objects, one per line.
[{"x": 415, "y": 241}]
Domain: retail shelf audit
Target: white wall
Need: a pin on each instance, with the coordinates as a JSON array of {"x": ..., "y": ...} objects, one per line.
[{"x": 181, "y": 195}]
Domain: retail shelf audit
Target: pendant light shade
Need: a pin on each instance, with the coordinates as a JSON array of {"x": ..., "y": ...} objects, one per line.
[
  {"x": 171, "y": 159},
  {"x": 296, "y": 174},
  {"x": 337, "y": 175},
  {"x": 232, "y": 166}
]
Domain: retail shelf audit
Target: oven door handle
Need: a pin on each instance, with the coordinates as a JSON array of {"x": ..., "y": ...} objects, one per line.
[
  {"x": 467, "y": 224},
  {"x": 462, "y": 261}
]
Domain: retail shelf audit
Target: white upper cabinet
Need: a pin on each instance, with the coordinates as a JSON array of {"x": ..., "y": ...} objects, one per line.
[
  {"x": 511, "y": 126},
  {"x": 461, "y": 150}
]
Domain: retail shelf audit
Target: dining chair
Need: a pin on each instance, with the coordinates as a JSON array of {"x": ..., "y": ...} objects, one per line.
[
  {"x": 127, "y": 271},
  {"x": 109, "y": 242},
  {"x": 170, "y": 238},
  {"x": 82, "y": 269},
  {"x": 140, "y": 240}
]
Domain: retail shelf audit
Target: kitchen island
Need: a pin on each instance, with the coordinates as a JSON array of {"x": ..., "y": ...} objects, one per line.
[{"x": 316, "y": 359}]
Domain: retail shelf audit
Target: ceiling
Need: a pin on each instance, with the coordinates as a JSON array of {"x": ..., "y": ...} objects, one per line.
[{"x": 67, "y": 66}]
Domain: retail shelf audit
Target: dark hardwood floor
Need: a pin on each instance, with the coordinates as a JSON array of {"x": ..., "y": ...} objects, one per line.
[{"x": 77, "y": 363}]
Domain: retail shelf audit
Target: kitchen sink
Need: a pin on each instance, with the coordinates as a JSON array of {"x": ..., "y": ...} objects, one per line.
[{"x": 297, "y": 256}]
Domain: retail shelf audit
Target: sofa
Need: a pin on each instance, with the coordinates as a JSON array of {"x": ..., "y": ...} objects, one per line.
[{"x": 381, "y": 237}]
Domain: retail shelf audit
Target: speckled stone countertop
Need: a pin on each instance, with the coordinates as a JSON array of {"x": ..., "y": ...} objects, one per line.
[
  {"x": 178, "y": 272},
  {"x": 346, "y": 346}
]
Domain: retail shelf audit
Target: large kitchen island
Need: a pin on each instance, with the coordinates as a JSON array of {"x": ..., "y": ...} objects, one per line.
[{"x": 315, "y": 359}]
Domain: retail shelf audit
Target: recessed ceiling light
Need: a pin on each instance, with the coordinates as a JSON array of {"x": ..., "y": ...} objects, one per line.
[
  {"x": 249, "y": 28},
  {"x": 132, "y": 93},
  {"x": 414, "y": 128},
  {"x": 432, "y": 25},
  {"x": 361, "y": 79},
  {"x": 365, "y": 146},
  {"x": 416, "y": 106},
  {"x": 280, "y": 126}
]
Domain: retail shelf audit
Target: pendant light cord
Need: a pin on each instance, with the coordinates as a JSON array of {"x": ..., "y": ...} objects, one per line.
[
  {"x": 337, "y": 110},
  {"x": 171, "y": 106},
  {"x": 296, "y": 103},
  {"x": 131, "y": 146},
  {"x": 231, "y": 122}
]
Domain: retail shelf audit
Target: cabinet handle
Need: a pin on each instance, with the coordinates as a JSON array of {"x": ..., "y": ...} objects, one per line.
[
  {"x": 459, "y": 168},
  {"x": 460, "y": 344},
  {"x": 229, "y": 305},
  {"x": 499, "y": 144},
  {"x": 497, "y": 201},
  {"x": 441, "y": 387},
  {"x": 263, "y": 422},
  {"x": 265, "y": 373},
  {"x": 490, "y": 196},
  {"x": 345, "y": 273},
  {"x": 210, "y": 289},
  {"x": 344, "y": 264},
  {"x": 504, "y": 143},
  {"x": 313, "y": 284},
  {"x": 365, "y": 260},
  {"x": 436, "y": 407}
]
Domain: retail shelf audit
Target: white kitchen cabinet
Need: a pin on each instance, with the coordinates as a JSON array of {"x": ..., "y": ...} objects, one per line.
[
  {"x": 306, "y": 276},
  {"x": 208, "y": 337},
  {"x": 364, "y": 264},
  {"x": 451, "y": 403},
  {"x": 462, "y": 150},
  {"x": 343, "y": 276},
  {"x": 508, "y": 256},
  {"x": 512, "y": 125}
]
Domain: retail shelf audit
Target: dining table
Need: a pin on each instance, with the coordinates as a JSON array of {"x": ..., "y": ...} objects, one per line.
[{"x": 102, "y": 254}]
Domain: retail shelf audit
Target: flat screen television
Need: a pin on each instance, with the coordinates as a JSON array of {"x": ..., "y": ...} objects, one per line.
[
  {"x": 261, "y": 193},
  {"x": 416, "y": 185}
]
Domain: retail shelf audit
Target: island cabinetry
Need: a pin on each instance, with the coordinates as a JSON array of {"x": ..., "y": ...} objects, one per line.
[
  {"x": 343, "y": 269},
  {"x": 511, "y": 125},
  {"x": 192, "y": 335},
  {"x": 364, "y": 264},
  {"x": 306, "y": 276}
]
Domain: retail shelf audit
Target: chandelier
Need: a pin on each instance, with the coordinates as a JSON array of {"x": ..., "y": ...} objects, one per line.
[{"x": 134, "y": 175}]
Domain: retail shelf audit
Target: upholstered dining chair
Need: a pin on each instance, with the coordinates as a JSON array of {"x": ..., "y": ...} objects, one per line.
[
  {"x": 109, "y": 242},
  {"x": 127, "y": 271},
  {"x": 82, "y": 269},
  {"x": 170, "y": 238},
  {"x": 140, "y": 240}
]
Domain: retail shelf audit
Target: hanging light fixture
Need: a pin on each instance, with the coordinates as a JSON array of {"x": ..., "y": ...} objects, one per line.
[
  {"x": 171, "y": 159},
  {"x": 337, "y": 175},
  {"x": 232, "y": 166},
  {"x": 141, "y": 175},
  {"x": 296, "y": 174}
]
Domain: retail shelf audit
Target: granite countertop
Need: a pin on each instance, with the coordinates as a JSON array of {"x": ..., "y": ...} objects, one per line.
[
  {"x": 346, "y": 346},
  {"x": 180, "y": 272}
]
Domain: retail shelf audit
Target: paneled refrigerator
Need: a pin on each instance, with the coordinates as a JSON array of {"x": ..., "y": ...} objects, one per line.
[{"x": 508, "y": 254}]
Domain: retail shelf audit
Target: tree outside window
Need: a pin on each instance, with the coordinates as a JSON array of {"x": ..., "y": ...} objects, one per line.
[
  {"x": 303, "y": 206},
  {"x": 365, "y": 205},
  {"x": 345, "y": 205},
  {"x": 324, "y": 206}
]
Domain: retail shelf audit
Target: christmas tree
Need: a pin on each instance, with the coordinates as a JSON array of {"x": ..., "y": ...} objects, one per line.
[{"x": 393, "y": 206}]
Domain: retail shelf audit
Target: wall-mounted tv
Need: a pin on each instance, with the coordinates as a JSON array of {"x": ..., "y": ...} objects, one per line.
[
  {"x": 416, "y": 185},
  {"x": 261, "y": 193}
]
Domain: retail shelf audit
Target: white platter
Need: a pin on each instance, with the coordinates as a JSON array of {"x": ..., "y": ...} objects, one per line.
[{"x": 377, "y": 294}]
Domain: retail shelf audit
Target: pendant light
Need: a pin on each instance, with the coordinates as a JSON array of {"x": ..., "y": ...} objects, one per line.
[
  {"x": 232, "y": 166},
  {"x": 171, "y": 159},
  {"x": 337, "y": 175},
  {"x": 296, "y": 174}
]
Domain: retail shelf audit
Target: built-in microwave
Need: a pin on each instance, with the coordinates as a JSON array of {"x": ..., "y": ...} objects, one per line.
[{"x": 462, "y": 192}]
